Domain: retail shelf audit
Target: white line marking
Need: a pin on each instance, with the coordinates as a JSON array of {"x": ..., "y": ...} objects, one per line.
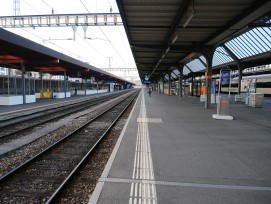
[
  {"x": 143, "y": 167},
  {"x": 149, "y": 120},
  {"x": 194, "y": 185},
  {"x": 99, "y": 187}
]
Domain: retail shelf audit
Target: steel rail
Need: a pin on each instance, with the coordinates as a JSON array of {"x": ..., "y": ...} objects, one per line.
[
  {"x": 17, "y": 169},
  {"x": 59, "y": 110},
  {"x": 56, "y": 195}
]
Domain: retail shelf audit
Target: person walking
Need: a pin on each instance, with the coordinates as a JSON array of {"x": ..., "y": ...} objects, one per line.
[{"x": 149, "y": 91}]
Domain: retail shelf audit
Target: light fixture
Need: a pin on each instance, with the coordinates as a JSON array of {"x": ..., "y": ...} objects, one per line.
[
  {"x": 174, "y": 39},
  {"x": 190, "y": 17},
  {"x": 163, "y": 56},
  {"x": 168, "y": 49}
]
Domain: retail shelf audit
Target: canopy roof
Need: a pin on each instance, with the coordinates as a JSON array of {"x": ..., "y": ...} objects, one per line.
[
  {"x": 16, "y": 50},
  {"x": 168, "y": 34}
]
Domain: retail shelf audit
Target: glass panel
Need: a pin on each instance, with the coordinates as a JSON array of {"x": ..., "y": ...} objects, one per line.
[
  {"x": 221, "y": 57},
  {"x": 266, "y": 38},
  {"x": 196, "y": 65},
  {"x": 173, "y": 75},
  {"x": 253, "y": 42},
  {"x": 260, "y": 38},
  {"x": 176, "y": 71},
  {"x": 240, "y": 48},
  {"x": 245, "y": 45},
  {"x": 234, "y": 50},
  {"x": 186, "y": 71},
  {"x": 203, "y": 59},
  {"x": 250, "y": 41}
]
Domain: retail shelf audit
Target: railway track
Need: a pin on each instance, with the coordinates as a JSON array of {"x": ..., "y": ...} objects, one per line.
[
  {"x": 12, "y": 129},
  {"x": 44, "y": 177}
]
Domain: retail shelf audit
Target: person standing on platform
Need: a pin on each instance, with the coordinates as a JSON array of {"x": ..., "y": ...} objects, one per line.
[
  {"x": 149, "y": 91},
  {"x": 75, "y": 91}
]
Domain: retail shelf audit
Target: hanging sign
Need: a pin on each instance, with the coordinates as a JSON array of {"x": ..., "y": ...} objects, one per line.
[{"x": 147, "y": 82}]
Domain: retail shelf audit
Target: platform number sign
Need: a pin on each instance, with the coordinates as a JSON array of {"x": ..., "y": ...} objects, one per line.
[
  {"x": 225, "y": 79},
  {"x": 225, "y": 76}
]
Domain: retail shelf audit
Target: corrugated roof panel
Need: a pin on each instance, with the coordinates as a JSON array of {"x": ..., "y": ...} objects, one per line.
[
  {"x": 203, "y": 59},
  {"x": 221, "y": 57},
  {"x": 174, "y": 74},
  {"x": 196, "y": 65},
  {"x": 186, "y": 70},
  {"x": 253, "y": 42}
]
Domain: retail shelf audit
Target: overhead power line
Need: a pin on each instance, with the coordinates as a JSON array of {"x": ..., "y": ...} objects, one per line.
[{"x": 107, "y": 38}]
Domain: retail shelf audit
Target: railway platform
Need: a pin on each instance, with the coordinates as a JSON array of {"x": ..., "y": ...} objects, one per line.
[
  {"x": 38, "y": 103},
  {"x": 172, "y": 151}
]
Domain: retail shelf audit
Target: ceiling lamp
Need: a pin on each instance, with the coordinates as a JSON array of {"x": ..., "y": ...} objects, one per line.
[
  {"x": 168, "y": 49},
  {"x": 190, "y": 17},
  {"x": 174, "y": 39}
]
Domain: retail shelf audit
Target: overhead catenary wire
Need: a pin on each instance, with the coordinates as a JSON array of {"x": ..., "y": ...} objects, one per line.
[
  {"x": 106, "y": 37},
  {"x": 57, "y": 46},
  {"x": 74, "y": 54}
]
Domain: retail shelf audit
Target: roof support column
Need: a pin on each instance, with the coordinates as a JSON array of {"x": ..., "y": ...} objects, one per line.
[
  {"x": 159, "y": 85},
  {"x": 240, "y": 76},
  {"x": 41, "y": 81},
  {"x": 192, "y": 85},
  {"x": 181, "y": 82},
  {"x": 97, "y": 87},
  {"x": 208, "y": 54},
  {"x": 85, "y": 86},
  {"x": 8, "y": 80},
  {"x": 23, "y": 83},
  {"x": 163, "y": 84},
  {"x": 65, "y": 89},
  {"x": 169, "y": 82}
]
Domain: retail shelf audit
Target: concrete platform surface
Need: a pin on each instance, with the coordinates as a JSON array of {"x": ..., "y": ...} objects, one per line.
[{"x": 172, "y": 151}]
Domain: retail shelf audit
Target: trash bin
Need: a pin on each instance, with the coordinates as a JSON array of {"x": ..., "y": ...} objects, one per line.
[
  {"x": 256, "y": 100},
  {"x": 223, "y": 106}
]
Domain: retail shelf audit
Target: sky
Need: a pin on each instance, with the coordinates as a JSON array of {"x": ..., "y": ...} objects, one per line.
[{"x": 108, "y": 42}]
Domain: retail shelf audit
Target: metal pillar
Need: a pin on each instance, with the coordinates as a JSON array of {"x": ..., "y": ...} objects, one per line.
[
  {"x": 192, "y": 86},
  {"x": 169, "y": 83},
  {"x": 240, "y": 68},
  {"x": 209, "y": 58},
  {"x": 85, "y": 86},
  {"x": 41, "y": 82},
  {"x": 181, "y": 82},
  {"x": 8, "y": 80},
  {"x": 34, "y": 86},
  {"x": 65, "y": 90},
  {"x": 97, "y": 86},
  {"x": 23, "y": 83},
  {"x": 159, "y": 86},
  {"x": 16, "y": 85},
  {"x": 163, "y": 84}
]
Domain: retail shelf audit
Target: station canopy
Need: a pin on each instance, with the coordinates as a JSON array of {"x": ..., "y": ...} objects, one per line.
[
  {"x": 16, "y": 51},
  {"x": 165, "y": 35}
]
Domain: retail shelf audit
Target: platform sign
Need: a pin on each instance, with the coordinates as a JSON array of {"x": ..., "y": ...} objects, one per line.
[
  {"x": 225, "y": 79},
  {"x": 147, "y": 82},
  {"x": 109, "y": 82},
  {"x": 225, "y": 76},
  {"x": 223, "y": 102}
]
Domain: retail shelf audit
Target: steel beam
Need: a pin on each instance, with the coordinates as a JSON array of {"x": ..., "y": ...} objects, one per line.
[{"x": 61, "y": 20}]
